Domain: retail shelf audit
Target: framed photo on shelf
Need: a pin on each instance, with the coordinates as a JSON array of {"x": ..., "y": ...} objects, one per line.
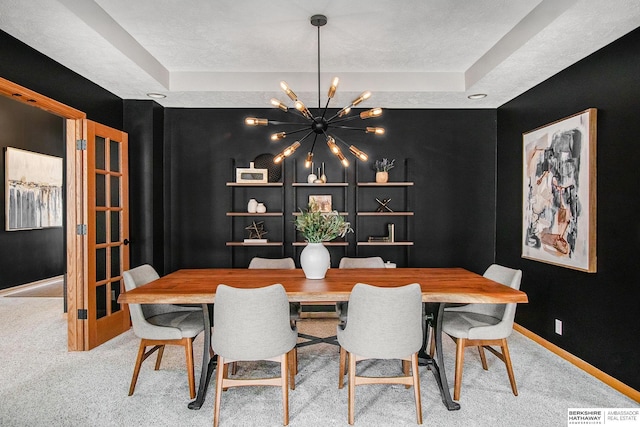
[
  {"x": 559, "y": 192},
  {"x": 323, "y": 202}
]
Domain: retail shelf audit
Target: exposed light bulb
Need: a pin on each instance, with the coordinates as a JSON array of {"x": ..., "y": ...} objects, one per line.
[
  {"x": 358, "y": 153},
  {"x": 344, "y": 111},
  {"x": 333, "y": 146},
  {"x": 303, "y": 109},
  {"x": 276, "y": 103},
  {"x": 333, "y": 87},
  {"x": 362, "y": 97},
  {"x": 253, "y": 121},
  {"x": 374, "y": 112},
  {"x": 377, "y": 131},
  {"x": 288, "y": 91},
  {"x": 343, "y": 159},
  {"x": 308, "y": 162},
  {"x": 291, "y": 149},
  {"x": 278, "y": 158},
  {"x": 278, "y": 136}
]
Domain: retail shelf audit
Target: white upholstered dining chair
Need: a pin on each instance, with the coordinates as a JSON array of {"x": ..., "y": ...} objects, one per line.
[
  {"x": 158, "y": 325},
  {"x": 251, "y": 325},
  {"x": 483, "y": 326},
  {"x": 383, "y": 323}
]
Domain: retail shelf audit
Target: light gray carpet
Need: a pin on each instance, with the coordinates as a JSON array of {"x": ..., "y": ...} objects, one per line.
[{"x": 43, "y": 384}]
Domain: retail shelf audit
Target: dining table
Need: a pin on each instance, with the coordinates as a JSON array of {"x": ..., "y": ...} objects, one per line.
[{"x": 440, "y": 286}]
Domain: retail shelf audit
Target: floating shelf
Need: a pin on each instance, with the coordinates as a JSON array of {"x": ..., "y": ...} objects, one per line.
[
  {"x": 384, "y": 243},
  {"x": 384, "y": 184},
  {"x": 385, "y": 213},
  {"x": 254, "y": 244},
  {"x": 325, "y": 243},
  {"x": 254, "y": 214},
  {"x": 326, "y": 184},
  {"x": 250, "y": 184}
]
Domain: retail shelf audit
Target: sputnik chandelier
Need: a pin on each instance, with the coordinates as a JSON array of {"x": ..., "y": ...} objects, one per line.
[{"x": 319, "y": 125}]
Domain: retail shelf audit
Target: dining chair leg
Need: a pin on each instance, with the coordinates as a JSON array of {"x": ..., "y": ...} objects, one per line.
[
  {"x": 416, "y": 386},
  {"x": 507, "y": 362},
  {"x": 352, "y": 387},
  {"x": 220, "y": 369},
  {"x": 406, "y": 365},
  {"x": 136, "y": 369},
  {"x": 292, "y": 371},
  {"x": 460, "y": 345},
  {"x": 285, "y": 387},
  {"x": 188, "y": 352},
  {"x": 343, "y": 366},
  {"x": 159, "y": 357},
  {"x": 483, "y": 358}
]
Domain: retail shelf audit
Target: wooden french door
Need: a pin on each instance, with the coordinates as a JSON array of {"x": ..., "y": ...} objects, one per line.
[{"x": 107, "y": 228}]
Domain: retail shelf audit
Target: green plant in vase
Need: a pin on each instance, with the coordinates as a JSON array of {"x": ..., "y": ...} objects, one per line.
[
  {"x": 317, "y": 227},
  {"x": 382, "y": 168}
]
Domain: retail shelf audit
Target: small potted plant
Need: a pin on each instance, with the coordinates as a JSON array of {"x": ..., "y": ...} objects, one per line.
[
  {"x": 382, "y": 169},
  {"x": 317, "y": 227}
]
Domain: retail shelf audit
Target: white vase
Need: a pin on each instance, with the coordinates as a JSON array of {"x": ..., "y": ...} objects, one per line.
[
  {"x": 252, "y": 206},
  {"x": 261, "y": 208},
  {"x": 315, "y": 260}
]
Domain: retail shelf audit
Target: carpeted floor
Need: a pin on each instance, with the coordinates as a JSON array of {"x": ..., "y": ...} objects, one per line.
[{"x": 43, "y": 384}]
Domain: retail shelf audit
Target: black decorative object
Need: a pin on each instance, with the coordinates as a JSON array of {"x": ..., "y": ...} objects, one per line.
[{"x": 265, "y": 161}]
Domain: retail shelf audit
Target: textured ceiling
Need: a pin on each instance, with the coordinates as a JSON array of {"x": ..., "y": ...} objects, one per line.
[{"x": 410, "y": 54}]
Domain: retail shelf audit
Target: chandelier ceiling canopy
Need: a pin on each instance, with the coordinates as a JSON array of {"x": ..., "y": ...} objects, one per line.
[{"x": 319, "y": 124}]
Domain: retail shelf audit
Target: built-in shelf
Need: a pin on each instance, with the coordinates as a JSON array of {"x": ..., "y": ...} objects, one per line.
[
  {"x": 384, "y": 213},
  {"x": 254, "y": 244},
  {"x": 324, "y": 243},
  {"x": 326, "y": 184},
  {"x": 254, "y": 214},
  {"x": 384, "y": 243},
  {"x": 339, "y": 213},
  {"x": 251, "y": 184},
  {"x": 385, "y": 184}
]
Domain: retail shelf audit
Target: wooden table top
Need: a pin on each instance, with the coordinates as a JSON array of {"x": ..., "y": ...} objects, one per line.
[{"x": 198, "y": 286}]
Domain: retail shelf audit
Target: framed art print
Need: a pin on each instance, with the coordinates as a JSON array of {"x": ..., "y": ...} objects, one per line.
[
  {"x": 559, "y": 192},
  {"x": 33, "y": 184}
]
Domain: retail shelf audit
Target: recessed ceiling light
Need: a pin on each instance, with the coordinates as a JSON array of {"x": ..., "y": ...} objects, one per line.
[
  {"x": 477, "y": 96},
  {"x": 156, "y": 95}
]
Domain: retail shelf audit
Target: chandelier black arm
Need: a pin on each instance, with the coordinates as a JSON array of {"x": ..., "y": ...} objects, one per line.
[
  {"x": 324, "y": 112},
  {"x": 295, "y": 131},
  {"x": 349, "y": 128},
  {"x": 341, "y": 141},
  {"x": 345, "y": 119},
  {"x": 314, "y": 143},
  {"x": 305, "y": 137},
  {"x": 275, "y": 122}
]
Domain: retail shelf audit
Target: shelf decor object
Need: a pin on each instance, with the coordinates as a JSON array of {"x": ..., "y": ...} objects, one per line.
[
  {"x": 317, "y": 227},
  {"x": 382, "y": 168},
  {"x": 251, "y": 175},
  {"x": 319, "y": 124}
]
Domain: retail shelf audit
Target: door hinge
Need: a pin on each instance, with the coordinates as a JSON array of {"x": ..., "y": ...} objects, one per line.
[
  {"x": 81, "y": 144},
  {"x": 82, "y": 314},
  {"x": 81, "y": 229}
]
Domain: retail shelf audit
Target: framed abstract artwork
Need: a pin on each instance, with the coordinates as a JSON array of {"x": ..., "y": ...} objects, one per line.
[
  {"x": 559, "y": 192},
  {"x": 33, "y": 187}
]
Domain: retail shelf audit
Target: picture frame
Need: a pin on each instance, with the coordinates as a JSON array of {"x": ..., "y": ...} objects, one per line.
[
  {"x": 322, "y": 201},
  {"x": 252, "y": 175},
  {"x": 559, "y": 192},
  {"x": 34, "y": 196}
]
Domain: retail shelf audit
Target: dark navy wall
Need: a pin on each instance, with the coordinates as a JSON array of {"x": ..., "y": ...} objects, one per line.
[
  {"x": 26, "y": 256},
  {"x": 599, "y": 311},
  {"x": 29, "y": 255},
  {"x": 451, "y": 160}
]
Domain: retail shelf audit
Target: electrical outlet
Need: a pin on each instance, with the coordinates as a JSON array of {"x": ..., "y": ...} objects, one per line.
[{"x": 558, "y": 326}]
